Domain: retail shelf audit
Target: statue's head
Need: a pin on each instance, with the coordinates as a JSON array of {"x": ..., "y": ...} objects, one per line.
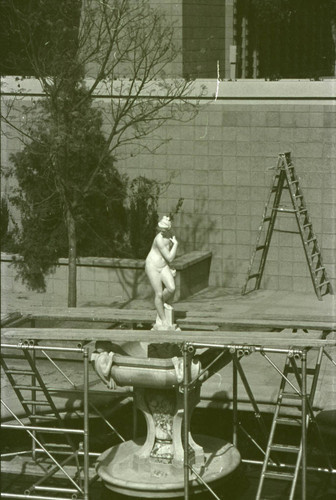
[
  {"x": 164, "y": 226},
  {"x": 165, "y": 223}
]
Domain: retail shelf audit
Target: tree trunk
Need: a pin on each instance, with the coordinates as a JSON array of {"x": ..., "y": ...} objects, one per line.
[{"x": 72, "y": 266}]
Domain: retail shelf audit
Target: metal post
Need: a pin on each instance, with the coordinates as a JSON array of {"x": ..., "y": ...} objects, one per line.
[
  {"x": 244, "y": 48},
  {"x": 86, "y": 424},
  {"x": 33, "y": 407},
  {"x": 135, "y": 418},
  {"x": 304, "y": 422},
  {"x": 186, "y": 420},
  {"x": 235, "y": 401}
]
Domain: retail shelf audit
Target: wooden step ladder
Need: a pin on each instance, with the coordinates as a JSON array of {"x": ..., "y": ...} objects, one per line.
[
  {"x": 286, "y": 178},
  {"x": 300, "y": 389}
]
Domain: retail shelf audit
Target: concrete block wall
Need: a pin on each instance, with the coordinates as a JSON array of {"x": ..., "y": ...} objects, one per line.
[{"x": 222, "y": 163}]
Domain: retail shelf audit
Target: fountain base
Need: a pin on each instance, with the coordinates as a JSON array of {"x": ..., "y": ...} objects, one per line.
[{"x": 121, "y": 474}]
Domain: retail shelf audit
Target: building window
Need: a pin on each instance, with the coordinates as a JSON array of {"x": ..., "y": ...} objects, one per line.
[
  {"x": 285, "y": 39},
  {"x": 203, "y": 37}
]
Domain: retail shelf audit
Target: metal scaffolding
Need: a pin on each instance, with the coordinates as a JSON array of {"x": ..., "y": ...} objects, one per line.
[
  {"x": 293, "y": 355},
  {"x": 79, "y": 454},
  {"x": 296, "y": 360}
]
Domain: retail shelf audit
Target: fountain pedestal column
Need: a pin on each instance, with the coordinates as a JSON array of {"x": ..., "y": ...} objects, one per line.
[{"x": 163, "y": 448}]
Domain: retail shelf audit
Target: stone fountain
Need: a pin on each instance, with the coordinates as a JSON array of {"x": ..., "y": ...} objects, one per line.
[{"x": 152, "y": 466}]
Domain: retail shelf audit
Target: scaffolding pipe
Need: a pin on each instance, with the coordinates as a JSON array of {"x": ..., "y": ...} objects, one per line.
[
  {"x": 289, "y": 466},
  {"x": 243, "y": 347},
  {"x": 33, "y": 347},
  {"x": 58, "y": 368},
  {"x": 201, "y": 480},
  {"x": 79, "y": 453},
  {"x": 32, "y": 497},
  {"x": 86, "y": 424},
  {"x": 186, "y": 419},
  {"x": 250, "y": 395},
  {"x": 235, "y": 400},
  {"x": 304, "y": 423},
  {"x": 43, "y": 429},
  {"x": 330, "y": 358},
  {"x": 55, "y": 488},
  {"x": 282, "y": 375},
  {"x": 33, "y": 406}
]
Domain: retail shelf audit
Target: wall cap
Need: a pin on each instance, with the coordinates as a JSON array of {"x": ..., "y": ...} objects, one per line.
[{"x": 180, "y": 263}]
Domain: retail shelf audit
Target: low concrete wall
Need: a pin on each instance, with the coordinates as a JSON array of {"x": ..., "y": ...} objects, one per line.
[{"x": 106, "y": 280}]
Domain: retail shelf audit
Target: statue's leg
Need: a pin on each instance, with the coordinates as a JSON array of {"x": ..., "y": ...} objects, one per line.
[
  {"x": 154, "y": 277},
  {"x": 169, "y": 283}
]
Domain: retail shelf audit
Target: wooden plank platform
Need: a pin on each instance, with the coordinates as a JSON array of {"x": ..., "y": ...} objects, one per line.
[
  {"x": 192, "y": 320},
  {"x": 262, "y": 338},
  {"x": 97, "y": 314}
]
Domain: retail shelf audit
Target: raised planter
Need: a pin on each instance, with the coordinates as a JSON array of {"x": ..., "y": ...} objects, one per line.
[{"x": 105, "y": 280}]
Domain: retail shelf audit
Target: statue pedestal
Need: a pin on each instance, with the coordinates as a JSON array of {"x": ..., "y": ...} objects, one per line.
[{"x": 169, "y": 323}]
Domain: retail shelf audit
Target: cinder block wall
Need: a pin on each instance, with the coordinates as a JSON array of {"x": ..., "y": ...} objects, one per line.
[{"x": 221, "y": 164}]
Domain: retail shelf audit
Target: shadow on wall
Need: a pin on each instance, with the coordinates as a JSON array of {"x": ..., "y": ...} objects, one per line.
[
  {"x": 229, "y": 275},
  {"x": 195, "y": 229},
  {"x": 135, "y": 284}
]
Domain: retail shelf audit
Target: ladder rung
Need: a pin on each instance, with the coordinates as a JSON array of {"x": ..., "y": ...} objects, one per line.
[
  {"x": 311, "y": 239},
  {"x": 11, "y": 355},
  {"x": 291, "y": 395},
  {"x": 303, "y": 210},
  {"x": 44, "y": 417},
  {"x": 20, "y": 372},
  {"x": 285, "y": 210},
  {"x": 285, "y": 476},
  {"x": 307, "y": 225},
  {"x": 318, "y": 269},
  {"x": 285, "y": 448},
  {"x": 260, "y": 247},
  {"x": 253, "y": 275},
  {"x": 37, "y": 403},
  {"x": 57, "y": 445},
  {"x": 315, "y": 254},
  {"x": 298, "y": 195},
  {"x": 322, "y": 284},
  {"x": 27, "y": 387},
  {"x": 267, "y": 219},
  {"x": 309, "y": 371},
  {"x": 295, "y": 181},
  {"x": 288, "y": 421}
]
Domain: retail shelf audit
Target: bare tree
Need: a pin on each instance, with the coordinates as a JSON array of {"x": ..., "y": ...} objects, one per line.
[{"x": 120, "y": 50}]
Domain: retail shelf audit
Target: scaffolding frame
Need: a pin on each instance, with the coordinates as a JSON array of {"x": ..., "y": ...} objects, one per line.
[
  {"x": 237, "y": 352},
  {"x": 80, "y": 487},
  {"x": 188, "y": 349}
]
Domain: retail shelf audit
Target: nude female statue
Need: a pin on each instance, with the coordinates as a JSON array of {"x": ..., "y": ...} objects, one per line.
[{"x": 157, "y": 268}]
